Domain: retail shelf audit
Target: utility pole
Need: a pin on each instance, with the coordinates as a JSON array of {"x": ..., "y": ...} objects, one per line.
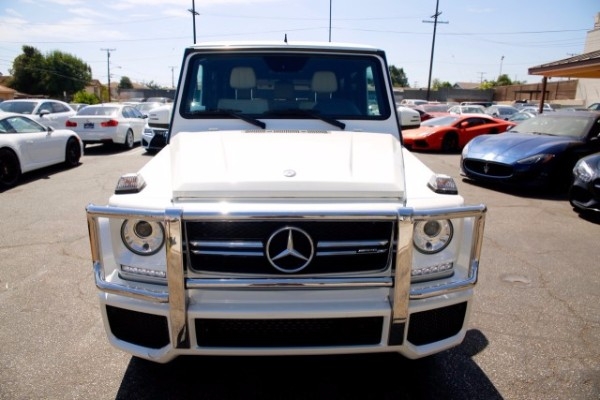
[
  {"x": 172, "y": 76},
  {"x": 194, "y": 13},
  {"x": 481, "y": 77},
  {"x": 330, "y": 20},
  {"x": 108, "y": 68},
  {"x": 435, "y": 22}
]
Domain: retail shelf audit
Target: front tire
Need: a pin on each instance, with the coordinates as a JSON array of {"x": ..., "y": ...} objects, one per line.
[
  {"x": 450, "y": 143},
  {"x": 72, "y": 153},
  {"x": 10, "y": 168}
]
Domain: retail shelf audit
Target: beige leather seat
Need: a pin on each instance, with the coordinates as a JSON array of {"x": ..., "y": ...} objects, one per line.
[
  {"x": 243, "y": 81},
  {"x": 324, "y": 84}
]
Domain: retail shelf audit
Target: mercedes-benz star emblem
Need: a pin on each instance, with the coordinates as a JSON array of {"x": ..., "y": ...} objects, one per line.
[{"x": 290, "y": 249}]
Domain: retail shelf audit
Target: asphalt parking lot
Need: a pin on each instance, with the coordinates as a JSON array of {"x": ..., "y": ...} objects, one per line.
[{"x": 534, "y": 331}]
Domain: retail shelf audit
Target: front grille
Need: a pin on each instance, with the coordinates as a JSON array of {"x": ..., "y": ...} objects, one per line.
[
  {"x": 158, "y": 126},
  {"x": 241, "y": 247},
  {"x": 159, "y": 139},
  {"x": 310, "y": 332},
  {"x": 486, "y": 168}
]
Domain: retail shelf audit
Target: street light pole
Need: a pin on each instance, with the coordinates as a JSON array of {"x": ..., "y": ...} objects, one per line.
[
  {"x": 500, "y": 73},
  {"x": 194, "y": 13}
]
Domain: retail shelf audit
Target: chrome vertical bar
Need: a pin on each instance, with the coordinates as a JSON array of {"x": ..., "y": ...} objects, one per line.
[{"x": 176, "y": 279}]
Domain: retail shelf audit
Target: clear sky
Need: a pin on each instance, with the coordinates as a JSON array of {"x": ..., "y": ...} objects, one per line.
[{"x": 475, "y": 40}]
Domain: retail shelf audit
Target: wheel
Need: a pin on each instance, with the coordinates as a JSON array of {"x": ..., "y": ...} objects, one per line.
[
  {"x": 10, "y": 169},
  {"x": 450, "y": 143},
  {"x": 129, "y": 140},
  {"x": 72, "y": 153}
]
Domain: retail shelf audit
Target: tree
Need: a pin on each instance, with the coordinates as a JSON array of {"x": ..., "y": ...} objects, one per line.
[
  {"x": 28, "y": 71},
  {"x": 125, "y": 83},
  {"x": 398, "y": 77},
  {"x": 65, "y": 74},
  {"x": 154, "y": 85},
  {"x": 487, "y": 85},
  {"x": 504, "y": 80},
  {"x": 437, "y": 84},
  {"x": 56, "y": 75}
]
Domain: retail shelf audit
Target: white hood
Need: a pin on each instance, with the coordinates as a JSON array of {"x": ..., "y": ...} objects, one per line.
[{"x": 286, "y": 164}]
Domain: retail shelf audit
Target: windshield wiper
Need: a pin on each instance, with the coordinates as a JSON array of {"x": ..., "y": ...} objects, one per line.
[
  {"x": 310, "y": 113},
  {"x": 232, "y": 113}
]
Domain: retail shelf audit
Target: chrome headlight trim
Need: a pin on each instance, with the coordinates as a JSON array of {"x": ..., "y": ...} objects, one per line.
[
  {"x": 432, "y": 236},
  {"x": 142, "y": 237},
  {"x": 536, "y": 159},
  {"x": 583, "y": 171}
]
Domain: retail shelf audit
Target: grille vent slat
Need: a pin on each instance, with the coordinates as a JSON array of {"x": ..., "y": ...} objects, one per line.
[{"x": 240, "y": 247}]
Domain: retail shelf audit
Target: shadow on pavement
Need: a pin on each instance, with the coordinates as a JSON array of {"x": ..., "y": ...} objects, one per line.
[{"x": 449, "y": 375}]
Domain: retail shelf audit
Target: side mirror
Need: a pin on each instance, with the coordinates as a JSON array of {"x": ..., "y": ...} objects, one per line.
[
  {"x": 464, "y": 124},
  {"x": 43, "y": 112}
]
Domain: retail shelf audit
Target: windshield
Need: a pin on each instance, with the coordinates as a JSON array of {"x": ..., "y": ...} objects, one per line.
[
  {"x": 280, "y": 85},
  {"x": 21, "y": 107},
  {"x": 91, "y": 110},
  {"x": 441, "y": 121},
  {"x": 570, "y": 126}
]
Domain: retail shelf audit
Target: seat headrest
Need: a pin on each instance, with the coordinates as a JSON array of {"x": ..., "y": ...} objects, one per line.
[
  {"x": 242, "y": 78},
  {"x": 324, "y": 82}
]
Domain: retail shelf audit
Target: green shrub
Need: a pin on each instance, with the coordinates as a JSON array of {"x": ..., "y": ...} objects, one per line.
[{"x": 85, "y": 97}]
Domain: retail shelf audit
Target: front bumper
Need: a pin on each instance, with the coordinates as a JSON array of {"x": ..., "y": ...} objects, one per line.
[
  {"x": 154, "y": 139},
  {"x": 328, "y": 315},
  {"x": 585, "y": 196}
]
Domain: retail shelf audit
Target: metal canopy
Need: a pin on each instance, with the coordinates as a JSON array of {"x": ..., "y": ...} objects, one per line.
[{"x": 585, "y": 65}]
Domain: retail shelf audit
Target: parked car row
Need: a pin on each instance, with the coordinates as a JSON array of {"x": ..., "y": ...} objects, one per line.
[
  {"x": 37, "y": 133},
  {"x": 555, "y": 151}
]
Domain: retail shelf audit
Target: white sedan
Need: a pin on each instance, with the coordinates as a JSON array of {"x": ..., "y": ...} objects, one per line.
[
  {"x": 109, "y": 123},
  {"x": 26, "y": 145},
  {"x": 48, "y": 112}
]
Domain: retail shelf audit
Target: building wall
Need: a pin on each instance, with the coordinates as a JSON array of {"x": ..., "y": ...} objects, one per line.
[
  {"x": 557, "y": 92},
  {"x": 589, "y": 89}
]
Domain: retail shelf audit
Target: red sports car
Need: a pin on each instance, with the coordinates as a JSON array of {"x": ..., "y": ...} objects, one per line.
[{"x": 451, "y": 132}]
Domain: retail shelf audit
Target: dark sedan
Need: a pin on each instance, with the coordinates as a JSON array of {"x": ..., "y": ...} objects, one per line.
[
  {"x": 539, "y": 152},
  {"x": 584, "y": 193}
]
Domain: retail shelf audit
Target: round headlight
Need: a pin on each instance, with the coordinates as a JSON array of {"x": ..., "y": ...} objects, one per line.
[
  {"x": 432, "y": 236},
  {"x": 142, "y": 237}
]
